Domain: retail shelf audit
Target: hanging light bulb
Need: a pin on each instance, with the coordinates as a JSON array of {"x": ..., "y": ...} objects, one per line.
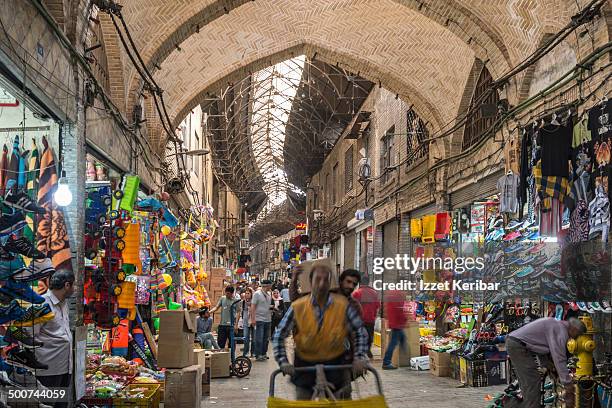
[{"x": 62, "y": 195}]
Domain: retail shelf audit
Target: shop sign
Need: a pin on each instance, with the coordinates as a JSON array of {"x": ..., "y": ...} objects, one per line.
[
  {"x": 477, "y": 218},
  {"x": 301, "y": 226},
  {"x": 370, "y": 234},
  {"x": 364, "y": 214}
]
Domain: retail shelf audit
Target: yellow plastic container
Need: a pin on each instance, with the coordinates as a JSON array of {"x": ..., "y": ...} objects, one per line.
[
  {"x": 151, "y": 397},
  {"x": 416, "y": 228},
  {"x": 131, "y": 253}
]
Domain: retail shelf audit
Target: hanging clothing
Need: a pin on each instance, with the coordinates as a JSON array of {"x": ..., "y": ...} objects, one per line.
[
  {"x": 579, "y": 223},
  {"x": 3, "y": 169},
  {"x": 512, "y": 155},
  {"x": 599, "y": 214},
  {"x": 508, "y": 186},
  {"x": 551, "y": 218},
  {"x": 600, "y": 121},
  {"x": 52, "y": 233},
  {"x": 581, "y": 133},
  {"x": 556, "y": 143},
  {"x": 549, "y": 186},
  {"x": 13, "y": 166},
  {"x": 525, "y": 170}
]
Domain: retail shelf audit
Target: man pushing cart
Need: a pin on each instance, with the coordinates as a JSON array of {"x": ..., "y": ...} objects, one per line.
[{"x": 322, "y": 324}]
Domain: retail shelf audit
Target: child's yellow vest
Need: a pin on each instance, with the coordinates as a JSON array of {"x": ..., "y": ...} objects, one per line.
[{"x": 316, "y": 344}]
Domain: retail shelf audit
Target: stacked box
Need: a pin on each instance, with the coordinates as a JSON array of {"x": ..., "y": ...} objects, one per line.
[{"x": 183, "y": 388}]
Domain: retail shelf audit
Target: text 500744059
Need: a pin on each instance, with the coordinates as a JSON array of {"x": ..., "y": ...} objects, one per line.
[{"x": 38, "y": 394}]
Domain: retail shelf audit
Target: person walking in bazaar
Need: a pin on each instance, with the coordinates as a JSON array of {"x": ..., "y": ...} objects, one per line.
[
  {"x": 395, "y": 312},
  {"x": 225, "y": 304},
  {"x": 321, "y": 324},
  {"x": 370, "y": 303}
]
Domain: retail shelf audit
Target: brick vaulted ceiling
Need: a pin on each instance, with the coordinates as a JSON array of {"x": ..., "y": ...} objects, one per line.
[{"x": 421, "y": 49}]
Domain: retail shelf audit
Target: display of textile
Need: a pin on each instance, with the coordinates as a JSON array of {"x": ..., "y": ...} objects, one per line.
[{"x": 51, "y": 234}]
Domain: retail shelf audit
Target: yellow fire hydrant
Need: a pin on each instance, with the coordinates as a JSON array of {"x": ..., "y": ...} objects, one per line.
[{"x": 582, "y": 347}]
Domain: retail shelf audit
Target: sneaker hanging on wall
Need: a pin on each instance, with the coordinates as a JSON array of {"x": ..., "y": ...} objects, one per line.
[
  {"x": 11, "y": 223},
  {"x": 18, "y": 290},
  {"x": 24, "y": 247},
  {"x": 38, "y": 269},
  {"x": 19, "y": 335},
  {"x": 20, "y": 201},
  {"x": 24, "y": 358}
]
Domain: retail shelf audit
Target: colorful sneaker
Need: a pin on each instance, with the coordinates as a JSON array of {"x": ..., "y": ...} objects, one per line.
[
  {"x": 513, "y": 224},
  {"x": 556, "y": 258},
  {"x": 10, "y": 312},
  {"x": 18, "y": 290},
  {"x": 37, "y": 269},
  {"x": 9, "y": 267},
  {"x": 36, "y": 314},
  {"x": 524, "y": 271},
  {"x": 18, "y": 335},
  {"x": 24, "y": 247},
  {"x": 21, "y": 201},
  {"x": 607, "y": 308},
  {"x": 24, "y": 358},
  {"x": 11, "y": 223}
]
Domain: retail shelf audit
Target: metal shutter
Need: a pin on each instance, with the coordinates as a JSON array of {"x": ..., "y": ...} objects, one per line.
[{"x": 477, "y": 191}]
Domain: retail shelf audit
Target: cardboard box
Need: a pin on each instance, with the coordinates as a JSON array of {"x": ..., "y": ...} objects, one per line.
[
  {"x": 219, "y": 364},
  {"x": 176, "y": 337},
  {"x": 200, "y": 358},
  {"x": 401, "y": 357},
  {"x": 420, "y": 363},
  {"x": 183, "y": 387},
  {"x": 439, "y": 363}
]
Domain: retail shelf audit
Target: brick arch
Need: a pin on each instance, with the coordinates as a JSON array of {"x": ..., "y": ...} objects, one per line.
[
  {"x": 501, "y": 32},
  {"x": 165, "y": 26},
  {"x": 393, "y": 44}
]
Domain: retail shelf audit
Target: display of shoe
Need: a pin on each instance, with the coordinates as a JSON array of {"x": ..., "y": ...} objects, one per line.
[
  {"x": 11, "y": 223},
  {"x": 5, "y": 381},
  {"x": 10, "y": 312},
  {"x": 512, "y": 236},
  {"x": 24, "y": 358},
  {"x": 554, "y": 260},
  {"x": 24, "y": 247},
  {"x": 20, "y": 200},
  {"x": 537, "y": 248},
  {"x": 18, "y": 335},
  {"x": 526, "y": 270},
  {"x": 10, "y": 267},
  {"x": 38, "y": 269},
  {"x": 35, "y": 314},
  {"x": 513, "y": 224},
  {"x": 18, "y": 290},
  {"x": 513, "y": 248},
  {"x": 596, "y": 306},
  {"x": 525, "y": 261}
]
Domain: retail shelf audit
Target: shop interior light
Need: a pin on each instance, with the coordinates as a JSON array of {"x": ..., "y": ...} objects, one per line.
[{"x": 62, "y": 195}]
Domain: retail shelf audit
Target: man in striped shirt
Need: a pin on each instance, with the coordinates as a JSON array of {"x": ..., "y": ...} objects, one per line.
[{"x": 321, "y": 323}]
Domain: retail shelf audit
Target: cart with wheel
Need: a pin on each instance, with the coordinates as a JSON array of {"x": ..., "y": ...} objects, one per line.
[
  {"x": 323, "y": 395},
  {"x": 240, "y": 365}
]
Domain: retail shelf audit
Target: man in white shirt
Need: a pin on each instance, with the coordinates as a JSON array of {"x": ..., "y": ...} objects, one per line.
[
  {"x": 56, "y": 336},
  {"x": 261, "y": 318}
]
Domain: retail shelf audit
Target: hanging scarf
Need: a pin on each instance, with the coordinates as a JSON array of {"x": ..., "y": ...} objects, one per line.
[
  {"x": 13, "y": 166},
  {"x": 31, "y": 186},
  {"x": 3, "y": 169},
  {"x": 51, "y": 234}
]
